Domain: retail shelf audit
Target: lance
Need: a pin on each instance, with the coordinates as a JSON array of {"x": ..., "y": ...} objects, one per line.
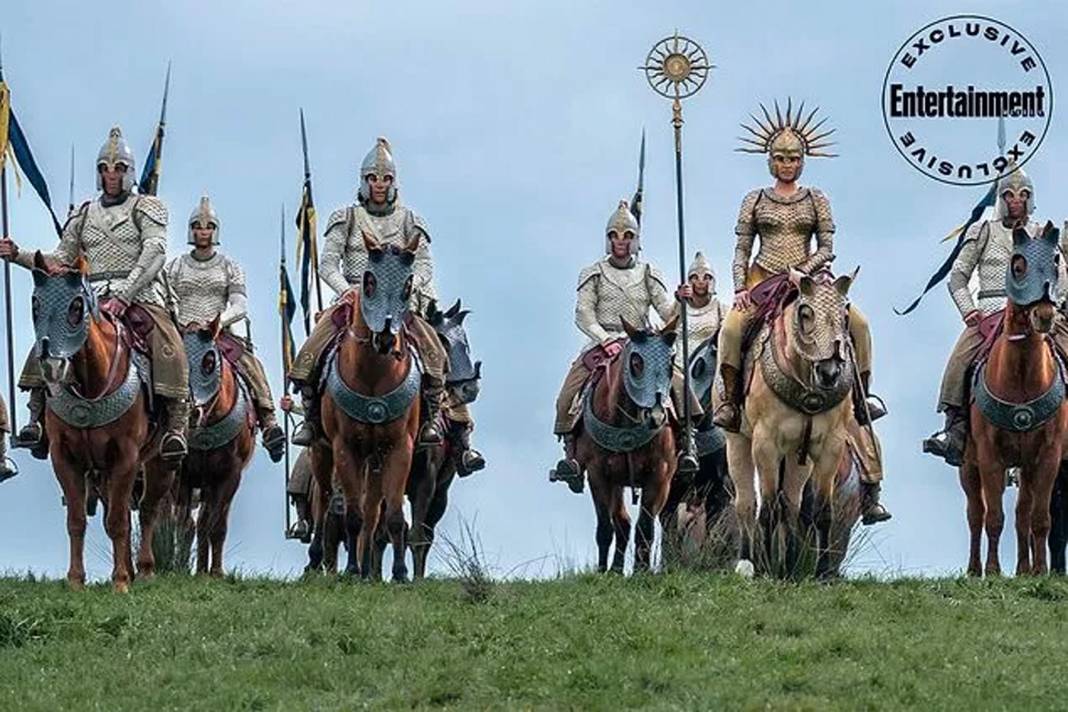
[
  {"x": 8, "y": 320},
  {"x": 285, "y": 372},
  {"x": 150, "y": 180},
  {"x": 314, "y": 257},
  {"x": 676, "y": 68},
  {"x": 639, "y": 194},
  {"x": 70, "y": 192}
]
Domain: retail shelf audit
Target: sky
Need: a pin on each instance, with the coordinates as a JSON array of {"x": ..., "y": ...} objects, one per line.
[{"x": 515, "y": 129}]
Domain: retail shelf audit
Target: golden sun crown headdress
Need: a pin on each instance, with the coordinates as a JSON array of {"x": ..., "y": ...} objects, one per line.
[{"x": 789, "y": 132}]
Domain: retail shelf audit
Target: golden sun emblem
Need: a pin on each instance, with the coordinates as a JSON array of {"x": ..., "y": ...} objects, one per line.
[{"x": 676, "y": 67}]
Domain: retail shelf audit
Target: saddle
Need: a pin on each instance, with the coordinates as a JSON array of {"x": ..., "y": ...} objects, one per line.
[
  {"x": 769, "y": 297},
  {"x": 990, "y": 328}
]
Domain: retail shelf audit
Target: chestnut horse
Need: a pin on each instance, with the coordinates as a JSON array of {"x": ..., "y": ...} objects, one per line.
[
  {"x": 626, "y": 440},
  {"x": 795, "y": 422},
  {"x": 371, "y": 406},
  {"x": 97, "y": 418},
  {"x": 221, "y": 441},
  {"x": 1018, "y": 416}
]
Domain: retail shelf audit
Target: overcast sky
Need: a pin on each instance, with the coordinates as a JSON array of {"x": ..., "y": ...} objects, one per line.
[{"x": 515, "y": 128}]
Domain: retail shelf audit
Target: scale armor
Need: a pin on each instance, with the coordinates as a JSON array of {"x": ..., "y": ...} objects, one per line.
[
  {"x": 204, "y": 289},
  {"x": 125, "y": 246},
  {"x": 608, "y": 294},
  {"x": 786, "y": 227},
  {"x": 986, "y": 251},
  {"x": 344, "y": 257},
  {"x": 204, "y": 214}
]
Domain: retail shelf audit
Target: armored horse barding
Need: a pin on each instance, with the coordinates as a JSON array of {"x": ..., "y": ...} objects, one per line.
[
  {"x": 1018, "y": 415},
  {"x": 221, "y": 440},
  {"x": 97, "y": 416},
  {"x": 626, "y": 440}
]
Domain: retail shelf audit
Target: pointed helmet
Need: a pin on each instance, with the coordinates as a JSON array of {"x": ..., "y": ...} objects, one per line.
[
  {"x": 204, "y": 215},
  {"x": 114, "y": 152},
  {"x": 1015, "y": 181},
  {"x": 701, "y": 267},
  {"x": 378, "y": 162},
  {"x": 622, "y": 222}
]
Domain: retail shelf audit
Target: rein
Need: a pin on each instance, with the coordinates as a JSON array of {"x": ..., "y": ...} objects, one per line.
[{"x": 113, "y": 371}]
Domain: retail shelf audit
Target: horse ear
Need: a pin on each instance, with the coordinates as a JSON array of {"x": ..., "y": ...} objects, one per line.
[
  {"x": 806, "y": 285},
  {"x": 795, "y": 276},
  {"x": 413, "y": 244},
  {"x": 1020, "y": 237},
  {"x": 81, "y": 265},
  {"x": 432, "y": 314},
  {"x": 453, "y": 310},
  {"x": 671, "y": 327},
  {"x": 39, "y": 262},
  {"x": 462, "y": 315},
  {"x": 478, "y": 369},
  {"x": 370, "y": 243},
  {"x": 632, "y": 333},
  {"x": 1051, "y": 233},
  {"x": 845, "y": 281}
]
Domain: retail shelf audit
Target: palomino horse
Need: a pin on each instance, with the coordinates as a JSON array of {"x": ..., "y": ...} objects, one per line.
[
  {"x": 221, "y": 441},
  {"x": 795, "y": 420},
  {"x": 1018, "y": 415},
  {"x": 626, "y": 441},
  {"x": 371, "y": 406},
  {"x": 97, "y": 418}
]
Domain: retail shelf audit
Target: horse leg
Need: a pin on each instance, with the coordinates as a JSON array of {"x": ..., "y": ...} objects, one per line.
[
  {"x": 1058, "y": 536},
  {"x": 372, "y": 513},
  {"x": 73, "y": 485},
  {"x": 158, "y": 483},
  {"x": 1024, "y": 507},
  {"x": 224, "y": 497},
  {"x": 742, "y": 473},
  {"x": 768, "y": 466},
  {"x": 601, "y": 494},
  {"x": 976, "y": 511},
  {"x": 117, "y": 524},
  {"x": 424, "y": 474},
  {"x": 654, "y": 495},
  {"x": 621, "y": 523},
  {"x": 1046, "y": 476},
  {"x": 205, "y": 516},
  {"x": 992, "y": 479},
  {"x": 394, "y": 482}
]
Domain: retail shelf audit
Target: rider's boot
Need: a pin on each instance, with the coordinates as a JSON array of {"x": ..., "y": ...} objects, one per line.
[
  {"x": 949, "y": 442},
  {"x": 729, "y": 413},
  {"x": 872, "y": 510},
  {"x": 173, "y": 447},
  {"x": 33, "y": 435},
  {"x": 309, "y": 429},
  {"x": 871, "y": 408},
  {"x": 568, "y": 470},
  {"x": 301, "y": 528},
  {"x": 468, "y": 459},
  {"x": 7, "y": 465},
  {"x": 274, "y": 440},
  {"x": 433, "y": 393}
]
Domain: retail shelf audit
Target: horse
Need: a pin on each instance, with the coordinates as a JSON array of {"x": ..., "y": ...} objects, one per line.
[
  {"x": 625, "y": 440},
  {"x": 371, "y": 407},
  {"x": 221, "y": 440},
  {"x": 98, "y": 417},
  {"x": 794, "y": 427},
  {"x": 1018, "y": 415}
]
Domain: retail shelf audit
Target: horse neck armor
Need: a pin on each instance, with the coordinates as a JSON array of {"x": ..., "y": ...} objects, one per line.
[
  {"x": 611, "y": 437},
  {"x": 1019, "y": 417},
  {"x": 85, "y": 413},
  {"x": 375, "y": 410},
  {"x": 808, "y": 399},
  {"x": 225, "y": 430}
]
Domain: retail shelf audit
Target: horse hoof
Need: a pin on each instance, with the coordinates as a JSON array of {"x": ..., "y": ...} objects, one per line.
[
  {"x": 122, "y": 587},
  {"x": 76, "y": 584},
  {"x": 744, "y": 568}
]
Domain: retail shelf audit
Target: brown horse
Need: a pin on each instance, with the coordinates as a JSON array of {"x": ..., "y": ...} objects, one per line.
[
  {"x": 221, "y": 441},
  {"x": 97, "y": 418},
  {"x": 626, "y": 441},
  {"x": 371, "y": 406},
  {"x": 1019, "y": 416}
]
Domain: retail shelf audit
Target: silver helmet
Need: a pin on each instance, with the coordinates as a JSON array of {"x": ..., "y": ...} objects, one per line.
[
  {"x": 116, "y": 151},
  {"x": 204, "y": 215},
  {"x": 378, "y": 162},
  {"x": 701, "y": 267},
  {"x": 622, "y": 222},
  {"x": 1015, "y": 181}
]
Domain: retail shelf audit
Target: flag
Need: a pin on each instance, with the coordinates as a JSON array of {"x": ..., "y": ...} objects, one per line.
[
  {"x": 979, "y": 212},
  {"x": 149, "y": 182},
  {"x": 287, "y": 308},
  {"x": 307, "y": 251},
  {"x": 13, "y": 145}
]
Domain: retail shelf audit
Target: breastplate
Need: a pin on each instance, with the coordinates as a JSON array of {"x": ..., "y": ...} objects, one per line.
[
  {"x": 112, "y": 245},
  {"x": 202, "y": 287},
  {"x": 622, "y": 294},
  {"x": 785, "y": 226},
  {"x": 387, "y": 229}
]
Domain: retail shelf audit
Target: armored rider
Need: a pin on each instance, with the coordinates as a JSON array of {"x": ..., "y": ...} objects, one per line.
[
  {"x": 986, "y": 250},
  {"x": 617, "y": 287},
  {"x": 123, "y": 236},
  {"x": 787, "y": 217},
  {"x": 380, "y": 213},
  {"x": 704, "y": 310},
  {"x": 206, "y": 284}
]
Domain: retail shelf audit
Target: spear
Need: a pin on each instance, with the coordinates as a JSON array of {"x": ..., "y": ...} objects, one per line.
[
  {"x": 310, "y": 205},
  {"x": 70, "y": 194},
  {"x": 150, "y": 176},
  {"x": 8, "y": 320},
  {"x": 286, "y": 334},
  {"x": 636, "y": 203}
]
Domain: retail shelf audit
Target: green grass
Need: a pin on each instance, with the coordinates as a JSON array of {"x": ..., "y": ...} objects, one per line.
[{"x": 675, "y": 641}]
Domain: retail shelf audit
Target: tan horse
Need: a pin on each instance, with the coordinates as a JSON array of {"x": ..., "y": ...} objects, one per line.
[{"x": 795, "y": 419}]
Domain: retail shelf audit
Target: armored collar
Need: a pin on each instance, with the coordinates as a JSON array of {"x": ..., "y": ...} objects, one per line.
[
  {"x": 610, "y": 437},
  {"x": 225, "y": 430},
  {"x": 808, "y": 399},
  {"x": 375, "y": 410},
  {"x": 797, "y": 197},
  {"x": 1019, "y": 417},
  {"x": 82, "y": 413}
]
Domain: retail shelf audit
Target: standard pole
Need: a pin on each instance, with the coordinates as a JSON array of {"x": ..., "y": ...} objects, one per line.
[
  {"x": 7, "y": 310},
  {"x": 285, "y": 372},
  {"x": 687, "y": 433}
]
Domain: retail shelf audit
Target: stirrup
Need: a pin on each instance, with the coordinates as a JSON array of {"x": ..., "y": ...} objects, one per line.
[
  {"x": 729, "y": 417},
  {"x": 274, "y": 440},
  {"x": 29, "y": 435},
  {"x": 301, "y": 530},
  {"x": 874, "y": 514},
  {"x": 687, "y": 464},
  {"x": 172, "y": 450},
  {"x": 8, "y": 469},
  {"x": 470, "y": 462},
  {"x": 430, "y": 435},
  {"x": 567, "y": 470},
  {"x": 304, "y": 436}
]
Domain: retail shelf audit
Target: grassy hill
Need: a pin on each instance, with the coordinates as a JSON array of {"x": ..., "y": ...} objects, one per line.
[{"x": 590, "y": 642}]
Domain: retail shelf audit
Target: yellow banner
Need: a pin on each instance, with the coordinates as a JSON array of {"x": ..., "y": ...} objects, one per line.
[{"x": 5, "y": 112}]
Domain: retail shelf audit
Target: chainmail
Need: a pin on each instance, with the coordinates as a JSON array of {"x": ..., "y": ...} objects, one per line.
[
  {"x": 986, "y": 252},
  {"x": 344, "y": 257},
  {"x": 702, "y": 323},
  {"x": 125, "y": 246},
  {"x": 207, "y": 288},
  {"x": 785, "y": 227},
  {"x": 78, "y": 412},
  {"x": 608, "y": 294},
  {"x": 226, "y": 429},
  {"x": 373, "y": 409},
  {"x": 613, "y": 438}
]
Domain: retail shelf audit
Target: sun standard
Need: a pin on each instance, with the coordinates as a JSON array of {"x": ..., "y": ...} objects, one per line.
[{"x": 970, "y": 103}]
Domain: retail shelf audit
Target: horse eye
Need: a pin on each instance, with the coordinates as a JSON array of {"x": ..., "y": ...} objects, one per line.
[
  {"x": 207, "y": 364},
  {"x": 35, "y": 307},
  {"x": 76, "y": 311},
  {"x": 370, "y": 284},
  {"x": 637, "y": 365},
  {"x": 1019, "y": 266},
  {"x": 699, "y": 368}
]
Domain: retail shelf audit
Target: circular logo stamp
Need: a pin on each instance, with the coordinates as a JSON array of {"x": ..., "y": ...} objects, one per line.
[{"x": 966, "y": 96}]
